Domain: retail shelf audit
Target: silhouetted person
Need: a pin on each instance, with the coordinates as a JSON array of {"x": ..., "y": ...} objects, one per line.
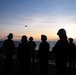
[
  {"x": 71, "y": 52},
  {"x": 8, "y": 47},
  {"x": 32, "y": 46},
  {"x": 60, "y": 50},
  {"x": 43, "y": 55},
  {"x": 23, "y": 56}
]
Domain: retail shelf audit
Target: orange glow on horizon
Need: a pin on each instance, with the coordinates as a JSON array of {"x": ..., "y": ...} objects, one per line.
[{"x": 35, "y": 36}]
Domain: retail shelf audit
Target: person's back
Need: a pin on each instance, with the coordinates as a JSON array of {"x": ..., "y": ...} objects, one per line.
[
  {"x": 43, "y": 55},
  {"x": 71, "y": 53},
  {"x": 23, "y": 56},
  {"x": 43, "y": 51},
  {"x": 60, "y": 50},
  {"x": 23, "y": 52},
  {"x": 71, "y": 46},
  {"x": 32, "y": 46},
  {"x": 8, "y": 47}
]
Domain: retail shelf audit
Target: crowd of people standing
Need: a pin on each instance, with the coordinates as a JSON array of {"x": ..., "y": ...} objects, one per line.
[{"x": 64, "y": 51}]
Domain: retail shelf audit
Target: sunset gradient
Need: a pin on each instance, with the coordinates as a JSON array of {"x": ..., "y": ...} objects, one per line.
[{"x": 40, "y": 16}]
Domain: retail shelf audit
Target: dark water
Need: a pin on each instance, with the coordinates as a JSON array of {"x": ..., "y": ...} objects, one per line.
[{"x": 52, "y": 43}]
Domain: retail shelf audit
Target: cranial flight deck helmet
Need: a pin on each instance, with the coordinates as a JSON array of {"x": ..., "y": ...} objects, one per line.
[
  {"x": 61, "y": 32},
  {"x": 43, "y": 37},
  {"x": 71, "y": 39},
  {"x": 24, "y": 38},
  {"x": 10, "y": 36}
]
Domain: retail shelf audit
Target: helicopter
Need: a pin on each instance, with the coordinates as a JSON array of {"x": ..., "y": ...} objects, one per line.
[{"x": 25, "y": 25}]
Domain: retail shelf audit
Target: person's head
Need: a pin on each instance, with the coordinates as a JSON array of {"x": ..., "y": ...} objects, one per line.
[
  {"x": 43, "y": 37},
  {"x": 31, "y": 38},
  {"x": 71, "y": 40},
  {"x": 62, "y": 33},
  {"x": 24, "y": 38},
  {"x": 10, "y": 36}
]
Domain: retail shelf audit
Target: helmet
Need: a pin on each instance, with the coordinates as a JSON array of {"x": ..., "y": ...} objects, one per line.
[
  {"x": 70, "y": 39},
  {"x": 10, "y": 35},
  {"x": 61, "y": 32},
  {"x": 24, "y": 38},
  {"x": 31, "y": 38},
  {"x": 43, "y": 37}
]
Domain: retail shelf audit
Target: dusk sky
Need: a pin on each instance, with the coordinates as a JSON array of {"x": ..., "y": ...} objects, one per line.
[{"x": 40, "y": 16}]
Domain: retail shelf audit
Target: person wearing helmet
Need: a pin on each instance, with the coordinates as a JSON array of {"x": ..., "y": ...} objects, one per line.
[
  {"x": 32, "y": 46},
  {"x": 10, "y": 36},
  {"x": 43, "y": 55},
  {"x": 8, "y": 49},
  {"x": 23, "y": 56},
  {"x": 62, "y": 34},
  {"x": 71, "y": 53},
  {"x": 60, "y": 50}
]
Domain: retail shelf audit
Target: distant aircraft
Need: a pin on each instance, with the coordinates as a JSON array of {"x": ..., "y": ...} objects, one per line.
[{"x": 25, "y": 25}]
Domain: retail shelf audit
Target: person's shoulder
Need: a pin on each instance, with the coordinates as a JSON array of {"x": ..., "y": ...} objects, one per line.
[
  {"x": 67, "y": 42},
  {"x": 6, "y": 41},
  {"x": 47, "y": 43},
  {"x": 12, "y": 41},
  {"x": 34, "y": 42},
  {"x": 29, "y": 42},
  {"x": 58, "y": 41}
]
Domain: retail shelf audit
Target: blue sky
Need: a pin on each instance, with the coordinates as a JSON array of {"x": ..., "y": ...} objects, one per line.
[{"x": 41, "y": 17}]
